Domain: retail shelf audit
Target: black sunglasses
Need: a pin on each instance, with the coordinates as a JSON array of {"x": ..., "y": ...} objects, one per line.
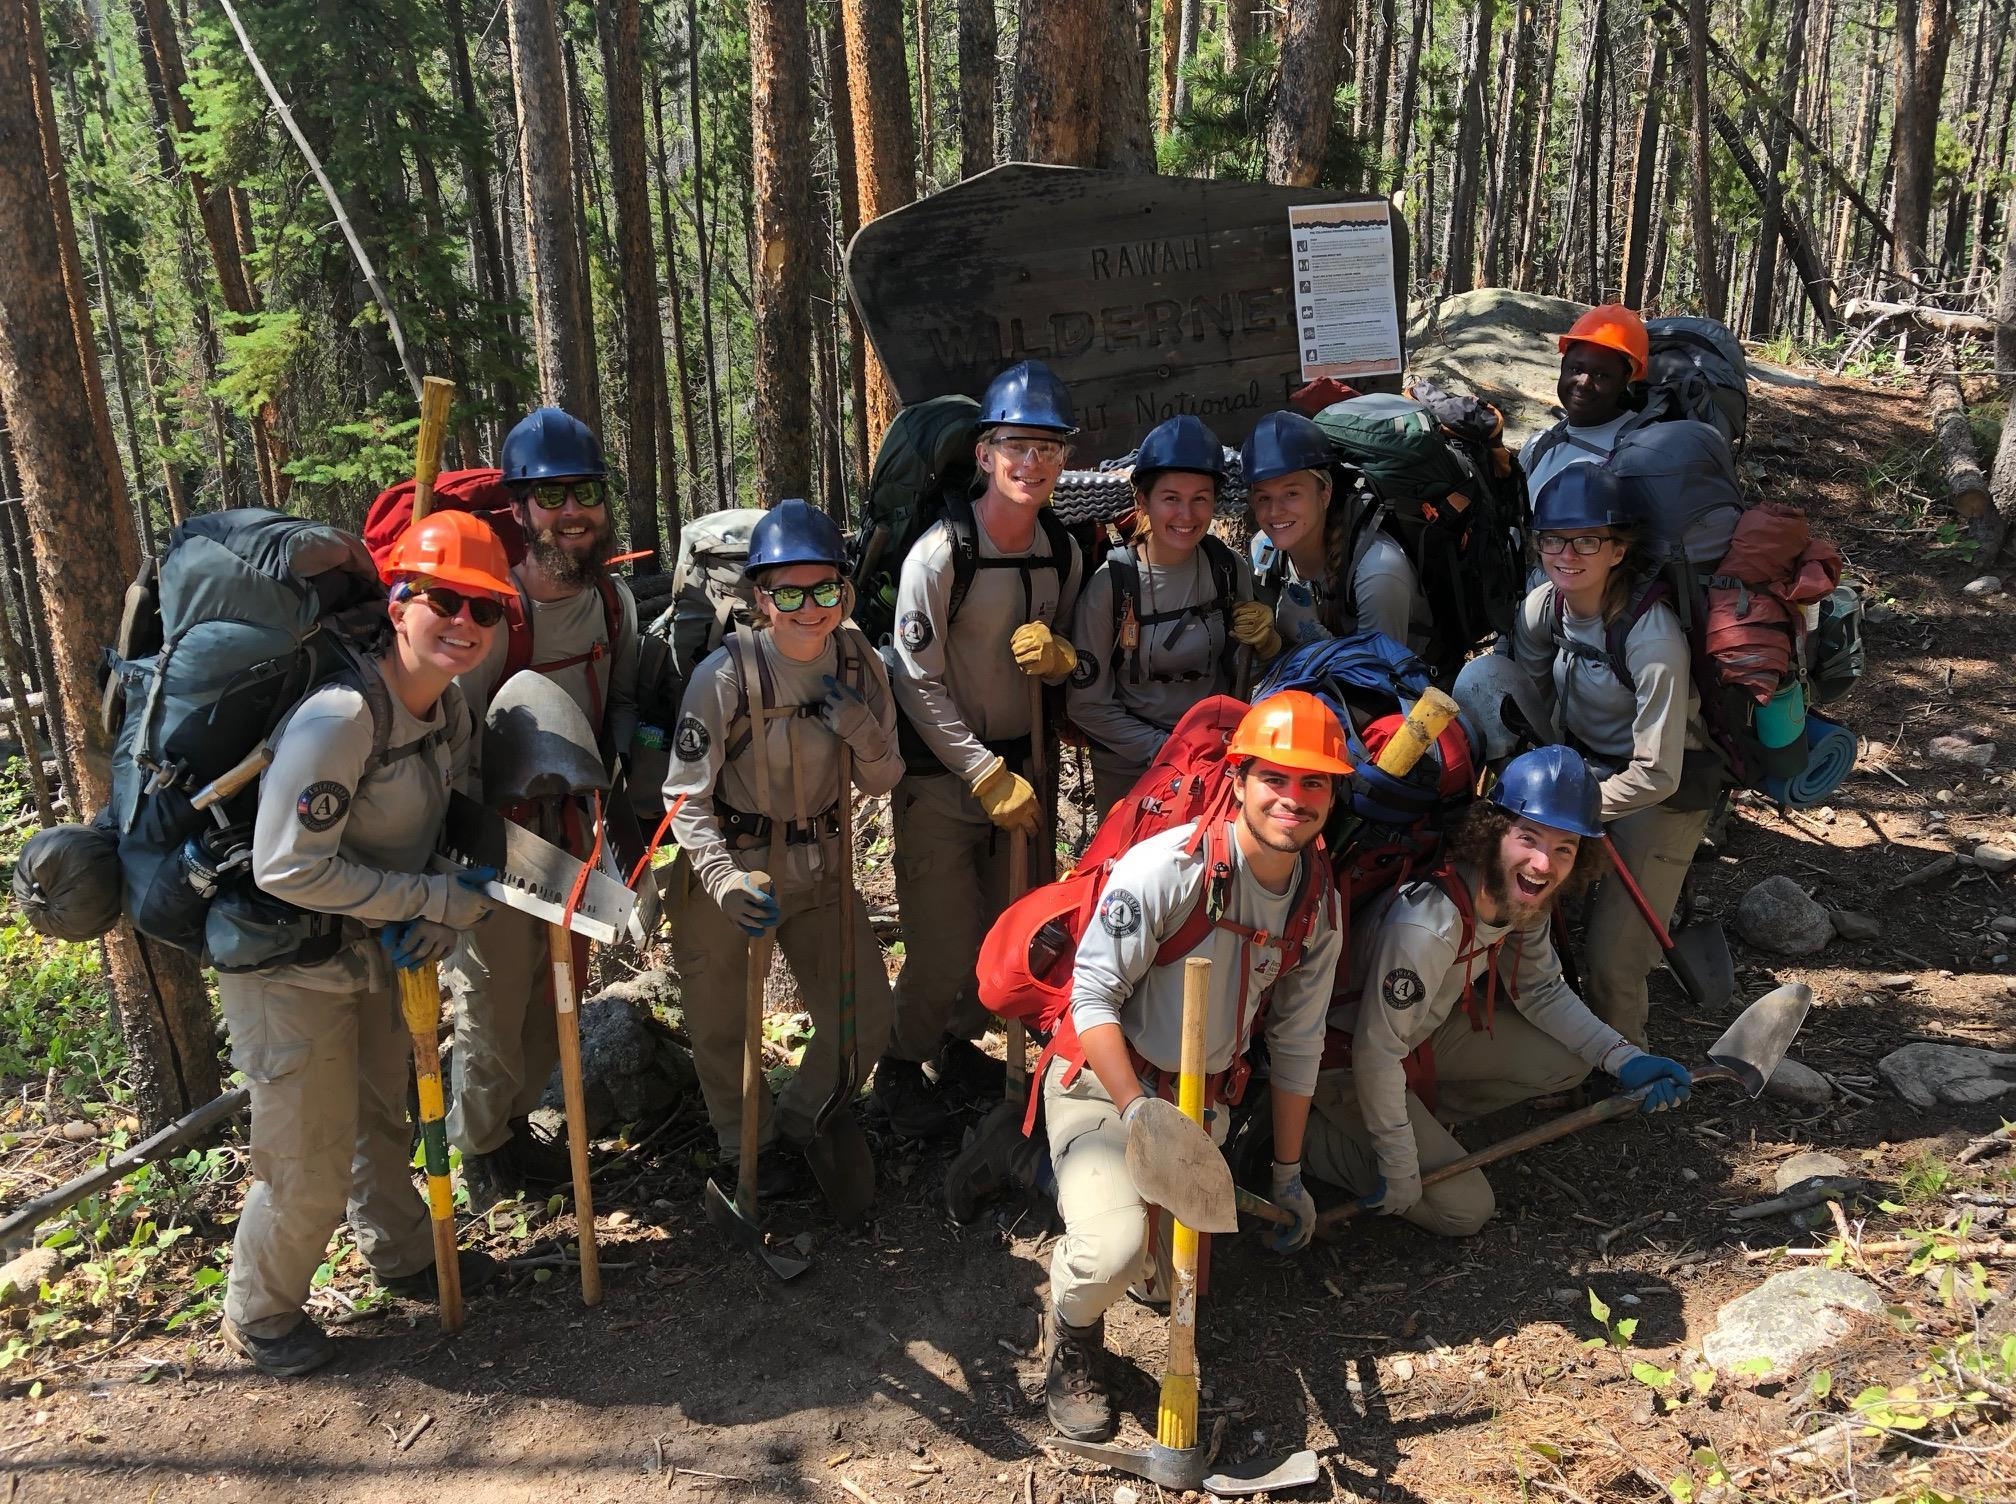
[
  {"x": 788, "y": 598},
  {"x": 447, "y": 604},
  {"x": 551, "y": 496}
]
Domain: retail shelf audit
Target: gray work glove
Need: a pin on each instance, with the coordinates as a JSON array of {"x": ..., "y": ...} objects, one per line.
[
  {"x": 749, "y": 908},
  {"x": 468, "y": 905},
  {"x": 847, "y": 715},
  {"x": 1292, "y": 1196},
  {"x": 1397, "y": 1193},
  {"x": 413, "y": 943}
]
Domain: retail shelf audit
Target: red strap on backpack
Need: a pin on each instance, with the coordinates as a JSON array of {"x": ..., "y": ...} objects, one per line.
[{"x": 518, "y": 643}]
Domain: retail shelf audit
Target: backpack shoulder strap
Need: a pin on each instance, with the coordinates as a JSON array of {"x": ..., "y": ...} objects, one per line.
[
  {"x": 959, "y": 521},
  {"x": 1365, "y": 527},
  {"x": 1210, "y": 903},
  {"x": 1059, "y": 539},
  {"x": 517, "y": 632},
  {"x": 1224, "y": 565},
  {"x": 1126, "y": 577},
  {"x": 1618, "y": 633},
  {"x": 619, "y": 611}
]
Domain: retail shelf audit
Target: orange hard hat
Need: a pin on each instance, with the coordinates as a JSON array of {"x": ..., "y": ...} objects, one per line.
[
  {"x": 1615, "y": 327},
  {"x": 1293, "y": 729},
  {"x": 456, "y": 548}
]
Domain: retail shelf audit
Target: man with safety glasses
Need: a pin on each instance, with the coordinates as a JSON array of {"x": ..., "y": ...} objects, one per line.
[
  {"x": 980, "y": 606},
  {"x": 576, "y": 623}
]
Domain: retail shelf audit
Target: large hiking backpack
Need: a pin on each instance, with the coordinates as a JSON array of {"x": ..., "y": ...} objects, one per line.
[
  {"x": 1027, "y": 960},
  {"x": 925, "y": 457},
  {"x": 1456, "y": 523},
  {"x": 245, "y": 613},
  {"x": 1696, "y": 369}
]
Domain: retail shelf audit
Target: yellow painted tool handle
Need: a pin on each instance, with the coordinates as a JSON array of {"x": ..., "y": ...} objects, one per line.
[
  {"x": 1433, "y": 711},
  {"x": 420, "y": 1005},
  {"x": 437, "y": 394},
  {"x": 567, "y": 1019},
  {"x": 1176, "y": 1415}
]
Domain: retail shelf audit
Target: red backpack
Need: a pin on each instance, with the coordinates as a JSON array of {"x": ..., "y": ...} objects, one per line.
[
  {"x": 482, "y": 491},
  {"x": 1027, "y": 960}
]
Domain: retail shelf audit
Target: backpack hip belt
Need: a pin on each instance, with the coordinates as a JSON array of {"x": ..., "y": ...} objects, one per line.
[{"x": 746, "y": 831}]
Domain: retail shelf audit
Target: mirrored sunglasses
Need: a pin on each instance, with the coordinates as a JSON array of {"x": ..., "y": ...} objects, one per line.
[
  {"x": 551, "y": 496},
  {"x": 825, "y": 595}
]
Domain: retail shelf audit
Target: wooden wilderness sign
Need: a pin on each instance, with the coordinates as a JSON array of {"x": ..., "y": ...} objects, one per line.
[{"x": 1151, "y": 296}]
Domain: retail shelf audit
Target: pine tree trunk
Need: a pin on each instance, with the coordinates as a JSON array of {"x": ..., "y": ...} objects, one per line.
[
  {"x": 675, "y": 288},
  {"x": 1374, "y": 132},
  {"x": 2005, "y": 352},
  {"x": 1858, "y": 153},
  {"x": 840, "y": 120},
  {"x": 1400, "y": 126},
  {"x": 1469, "y": 164},
  {"x": 1993, "y": 149},
  {"x": 885, "y": 145},
  {"x": 924, "y": 143},
  {"x": 1777, "y": 147},
  {"x": 488, "y": 248},
  {"x": 703, "y": 259},
  {"x": 171, "y": 477},
  {"x": 979, "y": 72},
  {"x": 1057, "y": 106},
  {"x": 76, "y": 513},
  {"x": 1126, "y": 138},
  {"x": 780, "y": 91},
  {"x": 1298, "y": 130},
  {"x": 1923, "y": 36},
  {"x": 1533, "y": 146},
  {"x": 1172, "y": 44},
  {"x": 1238, "y": 32},
  {"x": 560, "y": 334},
  {"x": 1502, "y": 153},
  {"x": 1973, "y": 120},
  {"x": 1645, "y": 166},
  {"x": 1189, "y": 21},
  {"x": 587, "y": 184},
  {"x": 1714, "y": 296}
]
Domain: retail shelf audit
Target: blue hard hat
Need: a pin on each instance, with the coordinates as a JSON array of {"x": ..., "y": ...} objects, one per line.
[
  {"x": 794, "y": 532},
  {"x": 1582, "y": 496},
  {"x": 1029, "y": 395},
  {"x": 1179, "y": 443},
  {"x": 1551, "y": 786},
  {"x": 1282, "y": 443},
  {"x": 549, "y": 444}
]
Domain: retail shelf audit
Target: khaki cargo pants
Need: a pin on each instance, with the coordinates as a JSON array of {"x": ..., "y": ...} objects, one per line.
[
  {"x": 1619, "y": 948},
  {"x": 951, "y": 882},
  {"x": 506, "y": 1036},
  {"x": 327, "y": 1071},
  {"x": 1476, "y": 1074},
  {"x": 711, "y": 953}
]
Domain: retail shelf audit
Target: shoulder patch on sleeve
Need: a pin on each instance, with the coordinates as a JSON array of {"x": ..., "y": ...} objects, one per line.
[
  {"x": 321, "y": 805},
  {"x": 1120, "y": 913},
  {"x": 691, "y": 740},
  {"x": 914, "y": 631},
  {"x": 1402, "y": 989},
  {"x": 1086, "y": 671}
]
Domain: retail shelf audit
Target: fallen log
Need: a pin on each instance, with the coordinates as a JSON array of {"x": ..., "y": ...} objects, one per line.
[
  {"x": 1966, "y": 481},
  {"x": 1937, "y": 320}
]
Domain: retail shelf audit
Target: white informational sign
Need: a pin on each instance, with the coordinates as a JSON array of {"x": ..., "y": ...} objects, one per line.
[{"x": 1344, "y": 307}]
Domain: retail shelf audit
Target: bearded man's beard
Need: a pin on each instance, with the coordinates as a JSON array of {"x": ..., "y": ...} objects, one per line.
[{"x": 562, "y": 565}]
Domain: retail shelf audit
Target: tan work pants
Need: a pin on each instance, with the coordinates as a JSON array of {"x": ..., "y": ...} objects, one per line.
[
  {"x": 1619, "y": 948},
  {"x": 712, "y": 954},
  {"x": 1107, "y": 1243},
  {"x": 506, "y": 1036},
  {"x": 328, "y": 1071},
  {"x": 1476, "y": 1074},
  {"x": 951, "y": 883}
]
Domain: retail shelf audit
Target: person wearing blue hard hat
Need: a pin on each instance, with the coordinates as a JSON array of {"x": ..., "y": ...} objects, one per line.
[
  {"x": 755, "y": 783},
  {"x": 1324, "y": 565},
  {"x": 1604, "y": 649},
  {"x": 1452, "y": 1003},
  {"x": 575, "y": 622},
  {"x": 983, "y": 602},
  {"x": 1162, "y": 621}
]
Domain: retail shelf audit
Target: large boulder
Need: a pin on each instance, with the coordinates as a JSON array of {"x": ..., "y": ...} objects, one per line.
[
  {"x": 1948, "y": 1075},
  {"x": 1497, "y": 344},
  {"x": 1786, "y": 1322},
  {"x": 632, "y": 1069},
  {"x": 1778, "y": 916}
]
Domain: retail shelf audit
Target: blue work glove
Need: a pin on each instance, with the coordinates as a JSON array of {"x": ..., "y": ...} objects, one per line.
[
  {"x": 749, "y": 908},
  {"x": 413, "y": 943},
  {"x": 846, "y": 714},
  {"x": 1668, "y": 1079},
  {"x": 473, "y": 878},
  {"x": 1292, "y": 1196}
]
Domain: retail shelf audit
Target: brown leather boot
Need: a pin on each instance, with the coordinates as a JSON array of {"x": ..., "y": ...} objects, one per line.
[{"x": 1080, "y": 1404}]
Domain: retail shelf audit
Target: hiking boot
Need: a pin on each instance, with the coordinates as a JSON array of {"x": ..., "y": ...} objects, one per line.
[
  {"x": 476, "y": 1267},
  {"x": 914, "y": 1110},
  {"x": 1080, "y": 1406},
  {"x": 996, "y": 1157},
  {"x": 492, "y": 1177},
  {"x": 543, "y": 1163},
  {"x": 969, "y": 1071},
  {"x": 302, "y": 1350},
  {"x": 781, "y": 1173}
]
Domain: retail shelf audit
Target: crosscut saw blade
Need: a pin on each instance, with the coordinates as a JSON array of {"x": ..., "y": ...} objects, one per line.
[
  {"x": 534, "y": 875},
  {"x": 623, "y": 851}
]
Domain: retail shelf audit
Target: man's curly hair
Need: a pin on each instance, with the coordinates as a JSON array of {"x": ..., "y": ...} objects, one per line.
[{"x": 1473, "y": 842}]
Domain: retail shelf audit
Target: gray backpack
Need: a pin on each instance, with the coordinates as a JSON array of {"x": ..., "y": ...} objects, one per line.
[{"x": 1697, "y": 370}]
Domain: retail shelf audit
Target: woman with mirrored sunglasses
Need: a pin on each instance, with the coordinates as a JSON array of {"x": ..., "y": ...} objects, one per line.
[
  {"x": 1607, "y": 653},
  {"x": 349, "y": 815},
  {"x": 756, "y": 777}
]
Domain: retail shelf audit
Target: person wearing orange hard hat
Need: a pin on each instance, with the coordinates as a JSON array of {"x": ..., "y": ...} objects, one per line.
[
  {"x": 1252, "y": 892},
  {"x": 349, "y": 813},
  {"x": 1604, "y": 356}
]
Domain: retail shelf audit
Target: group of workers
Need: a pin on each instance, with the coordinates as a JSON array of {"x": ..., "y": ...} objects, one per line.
[{"x": 1449, "y": 1001}]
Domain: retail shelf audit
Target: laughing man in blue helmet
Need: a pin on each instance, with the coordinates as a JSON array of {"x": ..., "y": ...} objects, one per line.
[{"x": 1453, "y": 1005}]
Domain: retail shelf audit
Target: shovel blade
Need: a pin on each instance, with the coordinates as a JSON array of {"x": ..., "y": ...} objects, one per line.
[
  {"x": 1701, "y": 964},
  {"x": 1176, "y": 1167},
  {"x": 1751, "y": 1048},
  {"x": 1259, "y": 1476},
  {"x": 537, "y": 744},
  {"x": 740, "y": 1232},
  {"x": 844, "y": 1166}
]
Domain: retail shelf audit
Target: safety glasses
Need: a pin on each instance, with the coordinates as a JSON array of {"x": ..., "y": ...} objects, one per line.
[
  {"x": 1582, "y": 543},
  {"x": 825, "y": 595},
  {"x": 551, "y": 496},
  {"x": 1032, "y": 451},
  {"x": 449, "y": 604}
]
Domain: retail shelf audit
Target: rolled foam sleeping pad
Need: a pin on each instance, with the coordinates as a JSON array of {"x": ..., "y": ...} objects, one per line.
[{"x": 1830, "y": 757}]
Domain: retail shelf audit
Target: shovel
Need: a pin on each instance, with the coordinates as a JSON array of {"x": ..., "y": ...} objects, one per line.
[
  {"x": 1177, "y": 1459},
  {"x": 1746, "y": 1054},
  {"x": 838, "y": 1153},
  {"x": 1698, "y": 958}
]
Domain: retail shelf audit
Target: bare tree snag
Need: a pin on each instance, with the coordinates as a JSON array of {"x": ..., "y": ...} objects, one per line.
[
  {"x": 1714, "y": 290},
  {"x": 1966, "y": 482},
  {"x": 1298, "y": 130},
  {"x": 1933, "y": 320},
  {"x": 780, "y": 91}
]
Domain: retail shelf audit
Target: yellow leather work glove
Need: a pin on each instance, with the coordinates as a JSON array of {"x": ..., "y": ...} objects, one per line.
[
  {"x": 1041, "y": 653},
  {"x": 1253, "y": 625},
  {"x": 1008, "y": 799}
]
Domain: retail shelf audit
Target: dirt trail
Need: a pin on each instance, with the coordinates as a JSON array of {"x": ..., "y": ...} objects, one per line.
[{"x": 1420, "y": 1369}]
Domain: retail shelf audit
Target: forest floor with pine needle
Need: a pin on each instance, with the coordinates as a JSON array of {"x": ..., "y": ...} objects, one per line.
[{"x": 904, "y": 1366}]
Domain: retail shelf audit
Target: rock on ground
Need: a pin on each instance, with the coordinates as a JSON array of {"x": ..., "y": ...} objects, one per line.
[
  {"x": 1968, "y": 749},
  {"x": 1812, "y": 1165},
  {"x": 1800, "y": 1084},
  {"x": 1850, "y": 925},
  {"x": 1788, "y": 1320},
  {"x": 632, "y": 1069},
  {"x": 1778, "y": 916},
  {"x": 1496, "y": 344},
  {"x": 22, "y": 1277},
  {"x": 1992, "y": 858},
  {"x": 1948, "y": 1075}
]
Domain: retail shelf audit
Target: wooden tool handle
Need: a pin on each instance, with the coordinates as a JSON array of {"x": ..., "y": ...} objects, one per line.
[
  {"x": 437, "y": 395},
  {"x": 1015, "y": 1036},
  {"x": 231, "y": 780},
  {"x": 567, "y": 1021},
  {"x": 752, "y": 1058},
  {"x": 1433, "y": 711}
]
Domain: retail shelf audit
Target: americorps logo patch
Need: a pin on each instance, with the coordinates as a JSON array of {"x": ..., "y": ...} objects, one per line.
[
  {"x": 1120, "y": 913},
  {"x": 914, "y": 630},
  {"x": 1402, "y": 988},
  {"x": 1086, "y": 671},
  {"x": 691, "y": 740},
  {"x": 321, "y": 805}
]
